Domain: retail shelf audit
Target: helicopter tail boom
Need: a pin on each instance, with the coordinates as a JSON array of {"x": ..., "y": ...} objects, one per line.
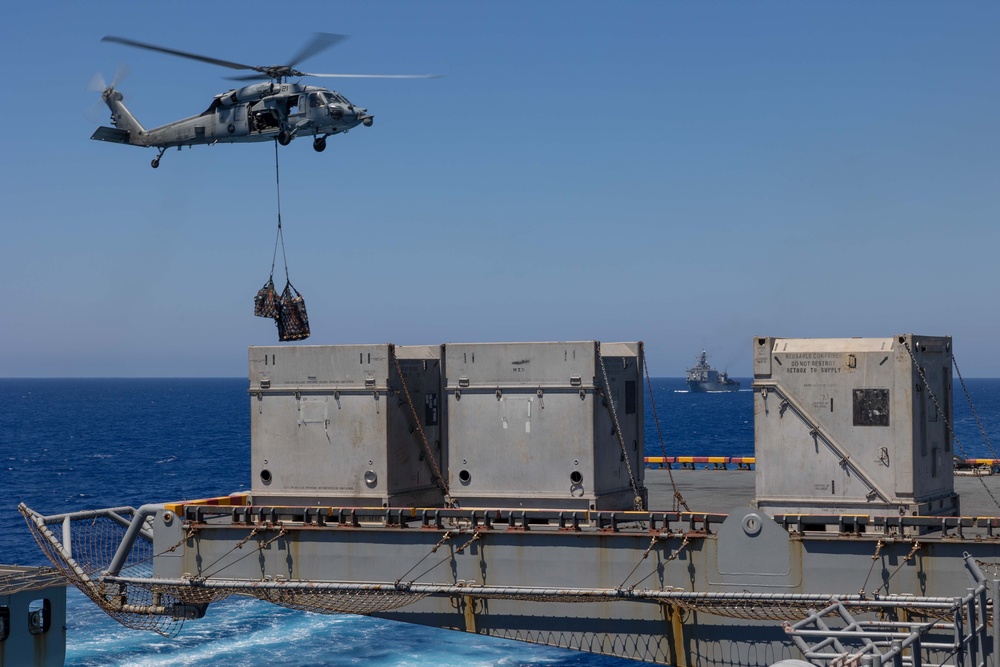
[{"x": 126, "y": 130}]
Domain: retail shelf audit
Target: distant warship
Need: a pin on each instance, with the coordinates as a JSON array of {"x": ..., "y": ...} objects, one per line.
[{"x": 703, "y": 378}]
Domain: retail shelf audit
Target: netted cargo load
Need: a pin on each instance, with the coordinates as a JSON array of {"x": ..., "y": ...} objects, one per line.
[
  {"x": 267, "y": 303},
  {"x": 292, "y": 320},
  {"x": 288, "y": 310}
]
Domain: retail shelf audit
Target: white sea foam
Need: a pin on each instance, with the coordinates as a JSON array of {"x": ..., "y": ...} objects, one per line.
[{"x": 243, "y": 632}]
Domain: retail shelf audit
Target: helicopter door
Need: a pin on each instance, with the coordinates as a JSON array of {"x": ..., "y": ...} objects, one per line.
[
  {"x": 296, "y": 109},
  {"x": 263, "y": 116},
  {"x": 232, "y": 122}
]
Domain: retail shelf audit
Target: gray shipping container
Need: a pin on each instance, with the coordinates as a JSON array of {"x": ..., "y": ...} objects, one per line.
[
  {"x": 528, "y": 424},
  {"x": 857, "y": 407},
  {"x": 331, "y": 425}
]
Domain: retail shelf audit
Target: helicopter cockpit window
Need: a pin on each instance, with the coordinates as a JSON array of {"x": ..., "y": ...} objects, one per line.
[{"x": 316, "y": 100}]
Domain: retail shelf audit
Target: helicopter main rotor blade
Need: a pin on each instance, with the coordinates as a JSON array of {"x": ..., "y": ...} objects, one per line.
[
  {"x": 321, "y": 41},
  {"x": 257, "y": 77},
  {"x": 374, "y": 76},
  {"x": 175, "y": 52},
  {"x": 247, "y": 77}
]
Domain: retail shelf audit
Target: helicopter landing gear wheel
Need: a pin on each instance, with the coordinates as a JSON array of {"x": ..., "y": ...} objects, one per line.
[
  {"x": 156, "y": 160},
  {"x": 284, "y": 138},
  {"x": 319, "y": 144}
]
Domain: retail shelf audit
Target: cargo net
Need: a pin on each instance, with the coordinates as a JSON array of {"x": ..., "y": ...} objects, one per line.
[
  {"x": 747, "y": 606},
  {"x": 139, "y": 605},
  {"x": 747, "y": 610},
  {"x": 779, "y": 610},
  {"x": 267, "y": 303},
  {"x": 288, "y": 310},
  {"x": 761, "y": 608},
  {"x": 362, "y": 603},
  {"x": 293, "y": 323},
  {"x": 93, "y": 543},
  {"x": 293, "y": 595}
]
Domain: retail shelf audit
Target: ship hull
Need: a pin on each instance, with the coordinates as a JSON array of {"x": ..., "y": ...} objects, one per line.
[
  {"x": 674, "y": 588},
  {"x": 711, "y": 387}
]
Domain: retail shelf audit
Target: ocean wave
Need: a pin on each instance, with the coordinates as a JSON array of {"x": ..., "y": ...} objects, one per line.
[{"x": 244, "y": 632}]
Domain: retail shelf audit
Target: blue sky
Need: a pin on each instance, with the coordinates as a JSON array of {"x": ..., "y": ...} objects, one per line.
[{"x": 688, "y": 174}]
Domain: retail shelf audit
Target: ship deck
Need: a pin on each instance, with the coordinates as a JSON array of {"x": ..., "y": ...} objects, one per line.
[{"x": 719, "y": 491}]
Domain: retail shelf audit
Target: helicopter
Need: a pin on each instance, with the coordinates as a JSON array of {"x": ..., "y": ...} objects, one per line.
[{"x": 275, "y": 109}]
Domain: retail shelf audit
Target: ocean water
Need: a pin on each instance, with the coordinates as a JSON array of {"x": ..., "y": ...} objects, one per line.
[{"x": 90, "y": 443}]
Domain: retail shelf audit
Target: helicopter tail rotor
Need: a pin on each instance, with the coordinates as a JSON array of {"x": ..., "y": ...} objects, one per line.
[{"x": 99, "y": 84}]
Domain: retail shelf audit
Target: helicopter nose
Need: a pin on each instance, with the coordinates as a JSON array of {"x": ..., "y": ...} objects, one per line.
[
  {"x": 364, "y": 117},
  {"x": 350, "y": 114}
]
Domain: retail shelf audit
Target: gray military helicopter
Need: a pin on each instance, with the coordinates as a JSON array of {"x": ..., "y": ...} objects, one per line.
[{"x": 275, "y": 110}]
